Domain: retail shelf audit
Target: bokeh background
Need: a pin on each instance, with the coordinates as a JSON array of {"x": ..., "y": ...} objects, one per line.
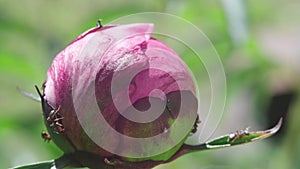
[{"x": 258, "y": 42}]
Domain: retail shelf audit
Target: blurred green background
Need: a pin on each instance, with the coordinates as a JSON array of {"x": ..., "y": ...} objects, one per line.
[{"x": 258, "y": 42}]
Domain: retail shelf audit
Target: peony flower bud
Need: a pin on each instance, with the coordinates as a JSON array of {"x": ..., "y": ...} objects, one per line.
[{"x": 139, "y": 85}]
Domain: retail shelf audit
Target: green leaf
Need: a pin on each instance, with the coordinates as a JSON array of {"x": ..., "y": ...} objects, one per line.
[
  {"x": 242, "y": 137},
  {"x": 61, "y": 162},
  {"x": 39, "y": 165},
  {"x": 237, "y": 138}
]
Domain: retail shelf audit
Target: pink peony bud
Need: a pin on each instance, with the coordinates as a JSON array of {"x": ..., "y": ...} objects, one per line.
[{"x": 139, "y": 85}]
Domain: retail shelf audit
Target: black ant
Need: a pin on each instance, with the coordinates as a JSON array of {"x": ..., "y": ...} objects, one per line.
[
  {"x": 45, "y": 136},
  {"x": 52, "y": 115},
  {"x": 197, "y": 121},
  {"x": 55, "y": 121}
]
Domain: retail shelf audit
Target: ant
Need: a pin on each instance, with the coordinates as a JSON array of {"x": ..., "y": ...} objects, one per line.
[
  {"x": 239, "y": 134},
  {"x": 45, "y": 136},
  {"x": 197, "y": 121},
  {"x": 55, "y": 121},
  {"x": 52, "y": 115}
]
